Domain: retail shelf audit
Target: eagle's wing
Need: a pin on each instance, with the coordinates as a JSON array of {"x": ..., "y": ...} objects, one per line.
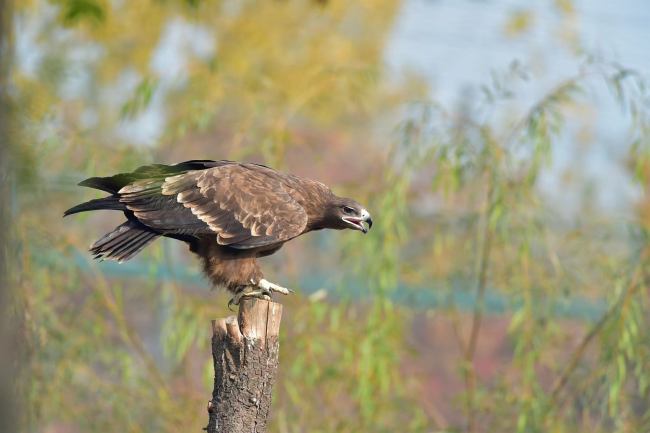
[{"x": 245, "y": 205}]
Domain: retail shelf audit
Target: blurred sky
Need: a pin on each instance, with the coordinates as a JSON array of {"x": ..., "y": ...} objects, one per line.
[{"x": 456, "y": 44}]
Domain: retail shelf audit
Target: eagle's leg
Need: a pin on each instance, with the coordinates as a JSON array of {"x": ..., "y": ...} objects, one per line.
[
  {"x": 262, "y": 289},
  {"x": 272, "y": 287},
  {"x": 252, "y": 291}
]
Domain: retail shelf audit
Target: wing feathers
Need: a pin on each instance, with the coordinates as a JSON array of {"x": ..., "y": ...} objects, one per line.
[
  {"x": 124, "y": 242},
  {"x": 255, "y": 200},
  {"x": 245, "y": 205}
]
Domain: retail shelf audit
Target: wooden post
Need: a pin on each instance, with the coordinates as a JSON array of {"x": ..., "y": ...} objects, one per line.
[{"x": 245, "y": 353}]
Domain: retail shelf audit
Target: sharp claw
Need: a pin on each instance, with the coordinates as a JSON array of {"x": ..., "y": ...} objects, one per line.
[
  {"x": 235, "y": 300},
  {"x": 271, "y": 287},
  {"x": 249, "y": 292}
]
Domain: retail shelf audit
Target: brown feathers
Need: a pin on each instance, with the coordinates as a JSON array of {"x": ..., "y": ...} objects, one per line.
[
  {"x": 244, "y": 205},
  {"x": 229, "y": 213}
]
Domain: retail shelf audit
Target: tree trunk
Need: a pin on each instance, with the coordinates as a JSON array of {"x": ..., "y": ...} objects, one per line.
[
  {"x": 13, "y": 335},
  {"x": 245, "y": 353}
]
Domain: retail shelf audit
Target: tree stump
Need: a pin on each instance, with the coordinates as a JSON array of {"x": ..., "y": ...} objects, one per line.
[{"x": 245, "y": 353}]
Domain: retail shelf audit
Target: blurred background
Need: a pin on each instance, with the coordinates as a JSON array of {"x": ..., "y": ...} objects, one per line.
[{"x": 502, "y": 147}]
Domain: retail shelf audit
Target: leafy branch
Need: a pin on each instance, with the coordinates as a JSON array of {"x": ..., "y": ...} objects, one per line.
[{"x": 625, "y": 297}]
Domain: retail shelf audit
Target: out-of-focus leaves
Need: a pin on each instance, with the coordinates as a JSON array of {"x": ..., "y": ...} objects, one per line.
[
  {"x": 74, "y": 11},
  {"x": 140, "y": 99},
  {"x": 519, "y": 22},
  {"x": 566, "y": 6}
]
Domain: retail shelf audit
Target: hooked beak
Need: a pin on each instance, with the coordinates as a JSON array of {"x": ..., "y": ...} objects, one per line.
[
  {"x": 367, "y": 219},
  {"x": 360, "y": 223}
]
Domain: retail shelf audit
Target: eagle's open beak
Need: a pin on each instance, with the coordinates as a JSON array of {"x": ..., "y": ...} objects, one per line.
[{"x": 360, "y": 223}]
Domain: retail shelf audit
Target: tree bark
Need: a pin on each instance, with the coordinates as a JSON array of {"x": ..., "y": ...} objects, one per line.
[{"x": 245, "y": 353}]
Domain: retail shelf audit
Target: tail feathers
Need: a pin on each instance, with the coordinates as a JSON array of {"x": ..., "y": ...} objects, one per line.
[
  {"x": 111, "y": 203},
  {"x": 110, "y": 184},
  {"x": 124, "y": 242}
]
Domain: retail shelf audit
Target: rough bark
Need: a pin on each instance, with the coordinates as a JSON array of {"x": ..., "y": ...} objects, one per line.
[{"x": 245, "y": 353}]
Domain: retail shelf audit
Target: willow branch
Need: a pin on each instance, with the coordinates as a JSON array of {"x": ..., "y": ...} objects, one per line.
[
  {"x": 128, "y": 335},
  {"x": 477, "y": 319},
  {"x": 625, "y": 297}
]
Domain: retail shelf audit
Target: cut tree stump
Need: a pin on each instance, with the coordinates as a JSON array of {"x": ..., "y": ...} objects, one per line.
[{"x": 245, "y": 353}]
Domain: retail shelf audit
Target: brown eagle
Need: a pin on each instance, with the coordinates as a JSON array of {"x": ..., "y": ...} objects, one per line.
[{"x": 229, "y": 213}]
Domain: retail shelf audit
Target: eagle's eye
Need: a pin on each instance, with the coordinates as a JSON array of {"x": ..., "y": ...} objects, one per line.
[{"x": 348, "y": 210}]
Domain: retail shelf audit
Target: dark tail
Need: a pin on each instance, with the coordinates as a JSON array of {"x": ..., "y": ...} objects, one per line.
[
  {"x": 111, "y": 202},
  {"x": 124, "y": 242}
]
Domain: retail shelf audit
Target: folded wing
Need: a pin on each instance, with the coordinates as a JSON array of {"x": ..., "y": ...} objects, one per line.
[{"x": 244, "y": 205}]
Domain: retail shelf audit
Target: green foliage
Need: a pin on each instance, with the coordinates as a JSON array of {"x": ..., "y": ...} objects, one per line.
[
  {"x": 500, "y": 175},
  {"x": 73, "y": 11},
  {"x": 140, "y": 100}
]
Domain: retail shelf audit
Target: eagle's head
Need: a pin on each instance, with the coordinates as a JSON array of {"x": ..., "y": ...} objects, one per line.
[{"x": 345, "y": 213}]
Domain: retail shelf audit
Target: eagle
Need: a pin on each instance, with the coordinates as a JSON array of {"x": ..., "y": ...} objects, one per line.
[{"x": 228, "y": 213}]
